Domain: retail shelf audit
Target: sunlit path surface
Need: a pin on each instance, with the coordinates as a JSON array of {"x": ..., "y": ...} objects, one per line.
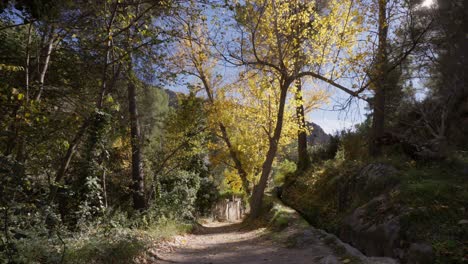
[{"x": 230, "y": 243}]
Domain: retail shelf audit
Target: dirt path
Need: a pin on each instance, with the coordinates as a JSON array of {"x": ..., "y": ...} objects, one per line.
[
  {"x": 229, "y": 243},
  {"x": 221, "y": 243}
]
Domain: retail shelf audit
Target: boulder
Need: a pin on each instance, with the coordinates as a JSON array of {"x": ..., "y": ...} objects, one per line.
[
  {"x": 420, "y": 253},
  {"x": 348, "y": 252},
  {"x": 375, "y": 229},
  {"x": 371, "y": 231},
  {"x": 372, "y": 180},
  {"x": 376, "y": 177}
]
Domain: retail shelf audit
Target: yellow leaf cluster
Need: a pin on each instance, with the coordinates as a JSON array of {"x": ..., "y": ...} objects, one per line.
[
  {"x": 248, "y": 109},
  {"x": 305, "y": 34}
]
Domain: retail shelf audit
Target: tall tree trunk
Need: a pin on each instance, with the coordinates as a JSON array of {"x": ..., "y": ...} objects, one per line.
[
  {"x": 45, "y": 66},
  {"x": 225, "y": 136},
  {"x": 28, "y": 59},
  {"x": 303, "y": 157},
  {"x": 378, "y": 121},
  {"x": 257, "y": 197},
  {"x": 138, "y": 177},
  {"x": 237, "y": 162},
  {"x": 138, "y": 185}
]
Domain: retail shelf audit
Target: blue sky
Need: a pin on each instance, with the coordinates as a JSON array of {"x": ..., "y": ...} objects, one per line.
[
  {"x": 335, "y": 120},
  {"x": 327, "y": 117}
]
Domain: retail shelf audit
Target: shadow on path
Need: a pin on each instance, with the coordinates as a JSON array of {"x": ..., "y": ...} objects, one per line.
[
  {"x": 224, "y": 227},
  {"x": 222, "y": 243}
]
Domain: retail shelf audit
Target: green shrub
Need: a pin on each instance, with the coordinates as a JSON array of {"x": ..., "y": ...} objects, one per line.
[
  {"x": 280, "y": 171},
  {"x": 207, "y": 196},
  {"x": 352, "y": 146},
  {"x": 324, "y": 152},
  {"x": 177, "y": 195},
  {"x": 114, "y": 239}
]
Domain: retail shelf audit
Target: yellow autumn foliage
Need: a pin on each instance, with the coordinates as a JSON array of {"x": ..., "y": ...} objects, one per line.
[
  {"x": 249, "y": 109},
  {"x": 303, "y": 35}
]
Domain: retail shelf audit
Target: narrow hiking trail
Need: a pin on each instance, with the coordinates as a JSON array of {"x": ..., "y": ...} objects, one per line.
[
  {"x": 230, "y": 243},
  {"x": 222, "y": 243}
]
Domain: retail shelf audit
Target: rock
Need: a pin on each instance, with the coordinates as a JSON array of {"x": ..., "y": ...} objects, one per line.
[
  {"x": 420, "y": 253},
  {"x": 463, "y": 222},
  {"x": 372, "y": 180},
  {"x": 330, "y": 259},
  {"x": 366, "y": 231},
  {"x": 346, "y": 250},
  {"x": 377, "y": 260},
  {"x": 317, "y": 135},
  {"x": 376, "y": 177},
  {"x": 307, "y": 237},
  {"x": 373, "y": 228},
  {"x": 377, "y": 234}
]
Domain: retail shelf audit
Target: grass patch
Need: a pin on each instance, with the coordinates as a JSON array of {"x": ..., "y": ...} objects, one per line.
[
  {"x": 314, "y": 193},
  {"x": 97, "y": 244},
  {"x": 438, "y": 197},
  {"x": 278, "y": 216}
]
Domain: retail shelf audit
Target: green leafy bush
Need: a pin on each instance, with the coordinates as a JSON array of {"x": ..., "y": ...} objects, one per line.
[
  {"x": 352, "y": 146},
  {"x": 207, "y": 196},
  {"x": 323, "y": 152},
  {"x": 177, "y": 195},
  {"x": 114, "y": 238},
  {"x": 281, "y": 170}
]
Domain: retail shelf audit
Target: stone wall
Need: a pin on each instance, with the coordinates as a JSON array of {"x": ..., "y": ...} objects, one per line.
[{"x": 229, "y": 210}]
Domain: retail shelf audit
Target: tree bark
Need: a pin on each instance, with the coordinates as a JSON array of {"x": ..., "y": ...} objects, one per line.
[
  {"x": 138, "y": 177},
  {"x": 50, "y": 47},
  {"x": 237, "y": 162},
  {"x": 259, "y": 189},
  {"x": 303, "y": 157},
  {"x": 28, "y": 59},
  {"x": 378, "y": 121},
  {"x": 224, "y": 135},
  {"x": 138, "y": 186}
]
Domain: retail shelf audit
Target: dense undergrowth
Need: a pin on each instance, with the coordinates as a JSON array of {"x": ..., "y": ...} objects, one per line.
[
  {"x": 434, "y": 195},
  {"x": 117, "y": 239}
]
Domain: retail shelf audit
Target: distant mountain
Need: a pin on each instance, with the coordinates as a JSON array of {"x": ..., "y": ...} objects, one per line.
[
  {"x": 173, "y": 101},
  {"x": 317, "y": 135}
]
